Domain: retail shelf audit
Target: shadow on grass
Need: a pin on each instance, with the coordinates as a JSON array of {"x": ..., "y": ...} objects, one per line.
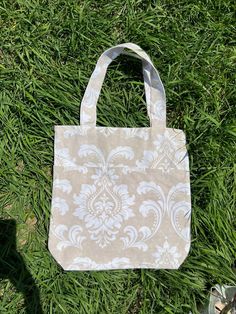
[{"x": 12, "y": 267}]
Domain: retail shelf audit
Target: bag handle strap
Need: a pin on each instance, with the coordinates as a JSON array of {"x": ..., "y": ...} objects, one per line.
[{"x": 154, "y": 89}]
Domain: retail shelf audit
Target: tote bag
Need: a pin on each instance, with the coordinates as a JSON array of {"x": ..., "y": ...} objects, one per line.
[{"x": 121, "y": 196}]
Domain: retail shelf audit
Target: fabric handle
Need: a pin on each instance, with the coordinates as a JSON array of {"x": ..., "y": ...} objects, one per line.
[{"x": 154, "y": 89}]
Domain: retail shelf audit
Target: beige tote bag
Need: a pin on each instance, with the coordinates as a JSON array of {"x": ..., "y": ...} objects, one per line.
[{"x": 121, "y": 196}]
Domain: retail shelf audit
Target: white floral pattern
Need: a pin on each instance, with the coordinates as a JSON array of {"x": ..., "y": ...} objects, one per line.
[
  {"x": 63, "y": 159},
  {"x": 106, "y": 131},
  {"x": 74, "y": 236},
  {"x": 177, "y": 209},
  {"x": 132, "y": 238},
  {"x": 75, "y": 130},
  {"x": 105, "y": 164},
  {"x": 104, "y": 205},
  {"x": 87, "y": 263},
  {"x": 174, "y": 205},
  {"x": 63, "y": 185},
  {"x": 141, "y": 133},
  {"x": 166, "y": 256},
  {"x": 103, "y": 209},
  {"x": 139, "y": 238},
  {"x": 167, "y": 155},
  {"x": 60, "y": 205}
]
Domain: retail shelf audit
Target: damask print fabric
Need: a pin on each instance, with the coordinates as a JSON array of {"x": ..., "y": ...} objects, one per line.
[{"x": 121, "y": 196}]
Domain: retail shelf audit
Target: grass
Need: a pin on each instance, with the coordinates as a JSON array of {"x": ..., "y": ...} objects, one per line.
[{"x": 48, "y": 51}]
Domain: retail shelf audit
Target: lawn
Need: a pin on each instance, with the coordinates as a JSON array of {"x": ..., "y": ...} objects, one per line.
[{"x": 47, "y": 53}]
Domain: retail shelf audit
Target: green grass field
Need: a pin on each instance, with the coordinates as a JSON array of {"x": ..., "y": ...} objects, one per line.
[{"x": 47, "y": 53}]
